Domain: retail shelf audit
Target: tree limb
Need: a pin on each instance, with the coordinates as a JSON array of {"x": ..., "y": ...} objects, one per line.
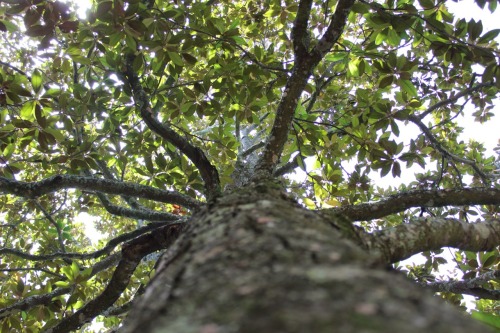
[
  {"x": 208, "y": 172},
  {"x": 32, "y": 301},
  {"x": 58, "y": 182},
  {"x": 428, "y": 234},
  {"x": 131, "y": 201},
  {"x": 305, "y": 62},
  {"x": 420, "y": 198},
  {"x": 143, "y": 214},
  {"x": 334, "y": 30},
  {"x": 287, "y": 167},
  {"x": 93, "y": 255},
  {"x": 473, "y": 287},
  {"x": 453, "y": 99},
  {"x": 105, "y": 263},
  {"x": 300, "y": 32},
  {"x": 132, "y": 253},
  {"x": 32, "y": 269},
  {"x": 252, "y": 149},
  {"x": 439, "y": 147},
  {"x": 54, "y": 224}
]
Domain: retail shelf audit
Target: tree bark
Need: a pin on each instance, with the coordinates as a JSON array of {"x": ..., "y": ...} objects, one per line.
[{"x": 256, "y": 261}]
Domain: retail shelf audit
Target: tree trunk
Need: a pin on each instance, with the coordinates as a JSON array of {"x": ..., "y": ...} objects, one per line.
[{"x": 255, "y": 261}]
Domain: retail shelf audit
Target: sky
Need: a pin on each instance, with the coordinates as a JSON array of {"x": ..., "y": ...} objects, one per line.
[{"x": 487, "y": 133}]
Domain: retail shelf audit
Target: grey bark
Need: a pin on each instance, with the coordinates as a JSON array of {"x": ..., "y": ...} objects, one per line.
[{"x": 255, "y": 261}]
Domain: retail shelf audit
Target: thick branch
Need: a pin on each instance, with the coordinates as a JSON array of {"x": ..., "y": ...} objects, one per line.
[
  {"x": 287, "y": 167},
  {"x": 132, "y": 253},
  {"x": 55, "y": 183},
  {"x": 420, "y": 198},
  {"x": 252, "y": 149},
  {"x": 208, "y": 172},
  {"x": 428, "y": 234},
  {"x": 304, "y": 65},
  {"x": 116, "y": 311},
  {"x": 473, "y": 287},
  {"x": 300, "y": 32},
  {"x": 131, "y": 201},
  {"x": 143, "y": 214},
  {"x": 334, "y": 30},
  {"x": 105, "y": 263}
]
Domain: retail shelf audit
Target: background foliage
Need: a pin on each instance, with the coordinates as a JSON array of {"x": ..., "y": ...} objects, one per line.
[{"x": 215, "y": 71}]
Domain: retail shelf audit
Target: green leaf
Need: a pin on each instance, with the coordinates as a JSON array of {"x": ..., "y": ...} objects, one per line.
[
  {"x": 408, "y": 87},
  {"x": 381, "y": 36},
  {"x": 239, "y": 40},
  {"x": 301, "y": 162},
  {"x": 386, "y": 81},
  {"x": 487, "y": 318},
  {"x": 492, "y": 5},
  {"x": 62, "y": 284},
  {"x": 9, "y": 26},
  {"x": 36, "y": 80},
  {"x": 360, "y": 8},
  {"x": 353, "y": 67},
  {"x": 426, "y": 4},
  {"x": 189, "y": 59},
  {"x": 396, "y": 169},
  {"x": 489, "y": 36},
  {"x": 28, "y": 110},
  {"x": 474, "y": 28},
  {"x": 176, "y": 58},
  {"x": 336, "y": 56},
  {"x": 309, "y": 203},
  {"x": 17, "y": 89},
  {"x": 393, "y": 38}
]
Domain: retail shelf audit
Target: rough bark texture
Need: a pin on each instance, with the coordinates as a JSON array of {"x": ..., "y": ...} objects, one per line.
[{"x": 255, "y": 261}]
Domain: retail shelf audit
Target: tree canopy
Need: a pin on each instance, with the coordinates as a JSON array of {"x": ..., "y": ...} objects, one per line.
[{"x": 143, "y": 111}]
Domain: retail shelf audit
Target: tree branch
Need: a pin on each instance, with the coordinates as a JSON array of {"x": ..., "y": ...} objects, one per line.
[
  {"x": 54, "y": 224},
  {"x": 439, "y": 147},
  {"x": 15, "y": 69},
  {"x": 473, "y": 287},
  {"x": 287, "y": 167},
  {"x": 420, "y": 198},
  {"x": 32, "y": 301},
  {"x": 143, "y": 214},
  {"x": 32, "y": 269},
  {"x": 93, "y": 255},
  {"x": 300, "y": 32},
  {"x": 453, "y": 99},
  {"x": 105, "y": 263},
  {"x": 208, "y": 172},
  {"x": 132, "y": 253},
  {"x": 58, "y": 182},
  {"x": 252, "y": 149},
  {"x": 305, "y": 62},
  {"x": 428, "y": 234},
  {"x": 334, "y": 30},
  {"x": 131, "y": 201}
]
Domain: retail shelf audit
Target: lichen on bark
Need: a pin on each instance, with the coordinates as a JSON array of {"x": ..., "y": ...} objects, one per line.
[{"x": 256, "y": 261}]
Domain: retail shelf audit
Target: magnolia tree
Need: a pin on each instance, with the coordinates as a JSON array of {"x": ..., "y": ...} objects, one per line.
[{"x": 180, "y": 128}]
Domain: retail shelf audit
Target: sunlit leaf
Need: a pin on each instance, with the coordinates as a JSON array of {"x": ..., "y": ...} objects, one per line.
[{"x": 36, "y": 80}]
